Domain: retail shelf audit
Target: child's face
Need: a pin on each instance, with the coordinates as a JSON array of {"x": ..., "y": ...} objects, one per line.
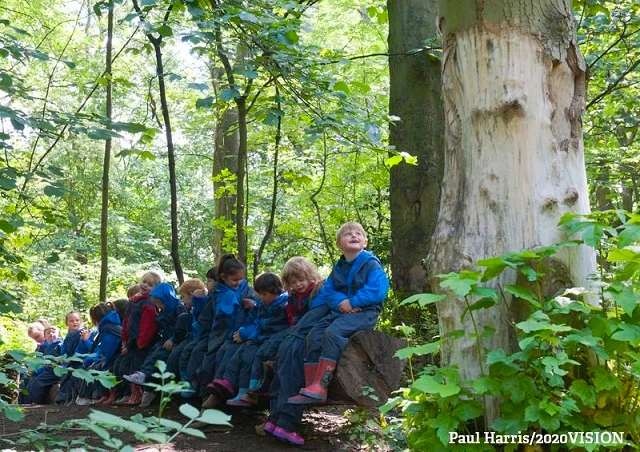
[
  {"x": 52, "y": 334},
  {"x": 74, "y": 323},
  {"x": 352, "y": 241},
  {"x": 37, "y": 335},
  {"x": 234, "y": 279},
  {"x": 148, "y": 283},
  {"x": 299, "y": 285},
  {"x": 211, "y": 283},
  {"x": 187, "y": 300},
  {"x": 267, "y": 297}
]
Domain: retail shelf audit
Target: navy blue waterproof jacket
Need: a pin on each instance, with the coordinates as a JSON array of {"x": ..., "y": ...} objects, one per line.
[
  {"x": 173, "y": 308},
  {"x": 107, "y": 343},
  {"x": 229, "y": 313},
  {"x": 363, "y": 281},
  {"x": 51, "y": 349},
  {"x": 134, "y": 316},
  {"x": 268, "y": 320}
]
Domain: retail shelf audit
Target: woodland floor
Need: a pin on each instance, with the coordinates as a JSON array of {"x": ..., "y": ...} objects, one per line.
[{"x": 323, "y": 430}]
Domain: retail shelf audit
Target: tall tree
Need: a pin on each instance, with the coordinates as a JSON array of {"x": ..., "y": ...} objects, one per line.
[
  {"x": 156, "y": 42},
  {"x": 104, "y": 214},
  {"x": 415, "y": 97},
  {"x": 514, "y": 95}
]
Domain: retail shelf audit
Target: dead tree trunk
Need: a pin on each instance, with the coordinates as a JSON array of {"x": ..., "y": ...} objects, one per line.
[{"x": 514, "y": 94}]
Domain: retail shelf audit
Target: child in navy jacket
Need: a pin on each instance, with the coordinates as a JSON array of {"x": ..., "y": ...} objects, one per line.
[
  {"x": 302, "y": 281},
  {"x": 234, "y": 299},
  {"x": 352, "y": 297},
  {"x": 270, "y": 317},
  {"x": 105, "y": 349},
  {"x": 171, "y": 308}
]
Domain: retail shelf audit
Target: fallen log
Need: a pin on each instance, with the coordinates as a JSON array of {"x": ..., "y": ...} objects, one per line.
[{"x": 367, "y": 372}]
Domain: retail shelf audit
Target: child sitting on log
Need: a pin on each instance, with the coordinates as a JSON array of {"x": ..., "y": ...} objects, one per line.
[
  {"x": 270, "y": 317},
  {"x": 170, "y": 308},
  {"x": 302, "y": 281}
]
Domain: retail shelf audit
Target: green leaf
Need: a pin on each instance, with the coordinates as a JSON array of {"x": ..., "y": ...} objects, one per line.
[
  {"x": 424, "y": 349},
  {"x": 341, "y": 86},
  {"x": 248, "y": 17},
  {"x": 423, "y": 299},
  {"x": 189, "y": 411},
  {"x": 131, "y": 127},
  {"x": 523, "y": 293},
  {"x": 628, "y": 333},
  {"x": 214, "y": 417},
  {"x": 430, "y": 385},
  {"x": 393, "y": 160},
  {"x": 583, "y": 392},
  {"x": 193, "y": 432},
  {"x": 165, "y": 30},
  {"x": 467, "y": 410},
  {"x": 249, "y": 74},
  {"x": 116, "y": 421},
  {"x": 629, "y": 235},
  {"x": 228, "y": 94},
  {"x": 54, "y": 191},
  {"x": 199, "y": 87},
  {"x": 292, "y": 36}
]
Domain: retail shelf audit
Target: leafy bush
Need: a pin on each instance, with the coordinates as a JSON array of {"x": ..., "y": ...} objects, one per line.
[{"x": 577, "y": 363}]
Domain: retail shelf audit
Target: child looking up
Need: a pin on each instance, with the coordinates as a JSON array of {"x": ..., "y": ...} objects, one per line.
[{"x": 353, "y": 293}]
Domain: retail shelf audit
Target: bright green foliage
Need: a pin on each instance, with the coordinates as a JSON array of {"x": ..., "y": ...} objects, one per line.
[{"x": 576, "y": 368}]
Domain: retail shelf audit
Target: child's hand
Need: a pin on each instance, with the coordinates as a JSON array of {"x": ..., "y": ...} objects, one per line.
[
  {"x": 248, "y": 303},
  {"x": 85, "y": 334},
  {"x": 236, "y": 337},
  {"x": 199, "y": 293},
  {"x": 123, "y": 349},
  {"x": 345, "y": 306},
  {"x": 168, "y": 344}
]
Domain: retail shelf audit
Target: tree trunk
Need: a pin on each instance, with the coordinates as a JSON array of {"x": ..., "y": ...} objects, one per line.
[
  {"x": 225, "y": 156},
  {"x": 415, "y": 97},
  {"x": 156, "y": 42},
  {"x": 367, "y": 367},
  {"x": 104, "y": 214},
  {"x": 514, "y": 94}
]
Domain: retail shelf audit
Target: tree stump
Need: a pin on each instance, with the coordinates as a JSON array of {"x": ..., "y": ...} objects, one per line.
[{"x": 367, "y": 371}]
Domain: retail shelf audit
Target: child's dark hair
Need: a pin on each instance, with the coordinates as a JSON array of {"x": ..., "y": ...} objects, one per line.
[
  {"x": 228, "y": 265},
  {"x": 268, "y": 282},
  {"x": 120, "y": 306},
  {"x": 97, "y": 312},
  {"x": 212, "y": 273}
]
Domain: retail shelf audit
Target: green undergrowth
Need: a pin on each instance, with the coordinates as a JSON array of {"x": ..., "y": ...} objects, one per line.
[{"x": 573, "y": 374}]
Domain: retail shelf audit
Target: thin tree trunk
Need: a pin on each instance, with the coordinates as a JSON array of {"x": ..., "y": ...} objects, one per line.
[
  {"x": 514, "y": 94},
  {"x": 225, "y": 156},
  {"x": 104, "y": 216},
  {"x": 415, "y": 97},
  {"x": 274, "y": 197},
  {"x": 164, "y": 105}
]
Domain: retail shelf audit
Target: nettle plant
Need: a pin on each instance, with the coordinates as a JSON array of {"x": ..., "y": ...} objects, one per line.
[{"x": 576, "y": 367}]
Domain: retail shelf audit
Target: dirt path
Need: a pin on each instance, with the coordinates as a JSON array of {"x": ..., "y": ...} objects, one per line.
[{"x": 322, "y": 430}]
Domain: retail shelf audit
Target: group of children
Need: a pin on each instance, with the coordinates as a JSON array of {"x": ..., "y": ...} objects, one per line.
[{"x": 228, "y": 341}]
